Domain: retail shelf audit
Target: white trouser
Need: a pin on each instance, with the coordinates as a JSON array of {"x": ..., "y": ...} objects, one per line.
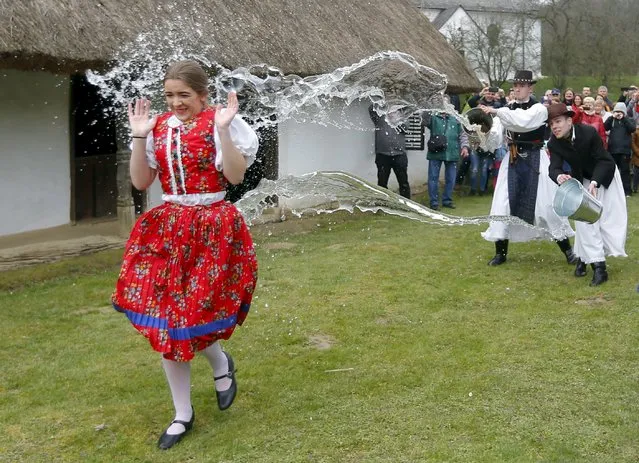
[{"x": 606, "y": 237}]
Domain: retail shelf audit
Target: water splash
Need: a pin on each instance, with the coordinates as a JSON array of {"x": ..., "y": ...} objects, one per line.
[
  {"x": 394, "y": 82},
  {"x": 328, "y": 192}
]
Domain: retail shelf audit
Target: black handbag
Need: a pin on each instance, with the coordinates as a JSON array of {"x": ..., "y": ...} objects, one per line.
[{"x": 438, "y": 143}]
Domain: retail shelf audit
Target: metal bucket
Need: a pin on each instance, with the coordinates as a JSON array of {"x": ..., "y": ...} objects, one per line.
[{"x": 573, "y": 201}]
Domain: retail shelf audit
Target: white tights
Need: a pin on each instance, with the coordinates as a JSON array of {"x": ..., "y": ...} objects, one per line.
[{"x": 178, "y": 375}]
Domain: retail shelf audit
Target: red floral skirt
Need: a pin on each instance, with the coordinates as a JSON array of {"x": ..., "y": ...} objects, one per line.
[{"x": 188, "y": 276}]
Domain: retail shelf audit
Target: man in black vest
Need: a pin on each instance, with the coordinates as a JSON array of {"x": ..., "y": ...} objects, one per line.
[
  {"x": 581, "y": 147},
  {"x": 523, "y": 189}
]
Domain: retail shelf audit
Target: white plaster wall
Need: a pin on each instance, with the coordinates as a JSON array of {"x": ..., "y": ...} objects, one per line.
[
  {"x": 35, "y": 177},
  {"x": 309, "y": 147}
]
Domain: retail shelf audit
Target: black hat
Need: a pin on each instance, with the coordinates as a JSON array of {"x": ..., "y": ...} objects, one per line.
[{"x": 524, "y": 77}]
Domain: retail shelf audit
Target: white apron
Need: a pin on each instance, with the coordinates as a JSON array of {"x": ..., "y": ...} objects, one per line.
[
  {"x": 548, "y": 225},
  {"x": 607, "y": 236}
]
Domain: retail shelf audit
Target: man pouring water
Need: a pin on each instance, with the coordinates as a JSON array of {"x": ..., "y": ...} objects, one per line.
[{"x": 581, "y": 147}]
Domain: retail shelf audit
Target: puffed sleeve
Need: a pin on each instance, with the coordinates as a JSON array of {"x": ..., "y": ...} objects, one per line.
[
  {"x": 243, "y": 137},
  {"x": 523, "y": 120},
  {"x": 150, "y": 151}
]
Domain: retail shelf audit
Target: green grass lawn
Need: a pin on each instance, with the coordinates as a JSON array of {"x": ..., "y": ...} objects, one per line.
[{"x": 439, "y": 357}]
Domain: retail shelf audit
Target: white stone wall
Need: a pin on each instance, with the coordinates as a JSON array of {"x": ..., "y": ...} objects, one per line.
[{"x": 35, "y": 172}]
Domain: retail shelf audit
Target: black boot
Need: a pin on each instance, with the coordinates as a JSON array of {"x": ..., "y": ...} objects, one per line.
[
  {"x": 601, "y": 275},
  {"x": 565, "y": 247},
  {"x": 501, "y": 249},
  {"x": 571, "y": 257},
  {"x": 581, "y": 269}
]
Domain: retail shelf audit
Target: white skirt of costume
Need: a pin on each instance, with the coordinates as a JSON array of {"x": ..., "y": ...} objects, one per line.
[
  {"x": 607, "y": 236},
  {"x": 548, "y": 225}
]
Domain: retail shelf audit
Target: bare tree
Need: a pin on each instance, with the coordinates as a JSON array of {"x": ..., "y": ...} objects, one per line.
[
  {"x": 495, "y": 48},
  {"x": 589, "y": 37},
  {"x": 561, "y": 20}
]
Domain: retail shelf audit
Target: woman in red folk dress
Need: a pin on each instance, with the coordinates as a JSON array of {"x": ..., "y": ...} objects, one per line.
[{"x": 189, "y": 267}]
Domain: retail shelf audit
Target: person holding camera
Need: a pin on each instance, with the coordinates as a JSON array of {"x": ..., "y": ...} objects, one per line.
[
  {"x": 523, "y": 188},
  {"x": 627, "y": 94},
  {"x": 620, "y": 129},
  {"x": 591, "y": 118},
  {"x": 446, "y": 144},
  {"x": 489, "y": 96}
]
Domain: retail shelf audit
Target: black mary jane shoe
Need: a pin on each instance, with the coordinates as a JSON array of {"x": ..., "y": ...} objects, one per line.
[
  {"x": 225, "y": 398},
  {"x": 169, "y": 440}
]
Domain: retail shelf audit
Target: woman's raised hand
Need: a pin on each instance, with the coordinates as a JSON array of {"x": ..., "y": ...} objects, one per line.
[
  {"x": 140, "y": 117},
  {"x": 223, "y": 119}
]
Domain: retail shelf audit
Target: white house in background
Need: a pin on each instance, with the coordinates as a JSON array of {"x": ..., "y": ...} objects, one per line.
[{"x": 496, "y": 37}]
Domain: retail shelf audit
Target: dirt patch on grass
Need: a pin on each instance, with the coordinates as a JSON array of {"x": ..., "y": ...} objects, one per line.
[
  {"x": 52, "y": 251},
  {"x": 593, "y": 301},
  {"x": 321, "y": 341}
]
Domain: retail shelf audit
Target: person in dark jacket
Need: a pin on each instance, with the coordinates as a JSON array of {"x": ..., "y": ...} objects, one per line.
[
  {"x": 581, "y": 147},
  {"x": 390, "y": 153},
  {"x": 489, "y": 96},
  {"x": 621, "y": 129}
]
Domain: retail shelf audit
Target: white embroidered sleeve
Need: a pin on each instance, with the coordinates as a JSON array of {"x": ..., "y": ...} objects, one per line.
[
  {"x": 523, "y": 120},
  {"x": 243, "y": 137},
  {"x": 150, "y": 151}
]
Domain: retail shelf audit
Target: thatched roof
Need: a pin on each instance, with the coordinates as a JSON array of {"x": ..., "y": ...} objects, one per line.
[{"x": 299, "y": 36}]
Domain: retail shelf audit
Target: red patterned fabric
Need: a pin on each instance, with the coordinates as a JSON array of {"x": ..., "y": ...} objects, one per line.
[{"x": 189, "y": 271}]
